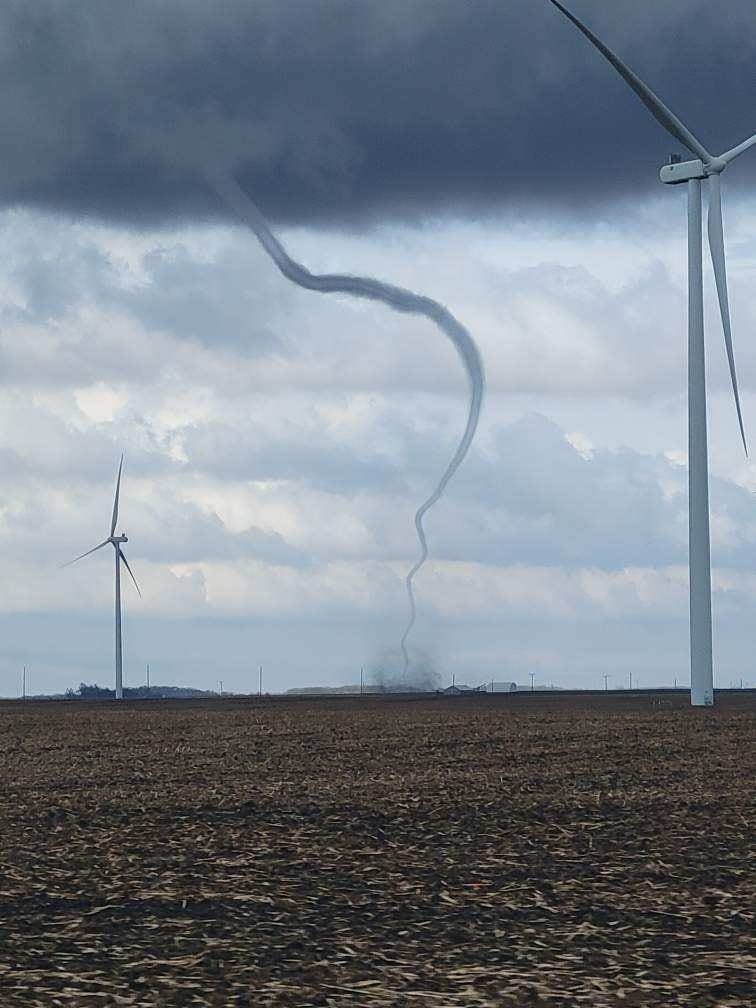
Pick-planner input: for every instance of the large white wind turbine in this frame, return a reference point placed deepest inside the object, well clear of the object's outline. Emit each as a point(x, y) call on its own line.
point(704, 166)
point(115, 541)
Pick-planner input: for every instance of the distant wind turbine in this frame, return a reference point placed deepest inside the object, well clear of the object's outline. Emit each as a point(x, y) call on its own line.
point(116, 541)
point(709, 167)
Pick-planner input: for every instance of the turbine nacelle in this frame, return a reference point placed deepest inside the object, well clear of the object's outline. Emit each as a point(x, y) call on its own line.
point(682, 171)
point(122, 538)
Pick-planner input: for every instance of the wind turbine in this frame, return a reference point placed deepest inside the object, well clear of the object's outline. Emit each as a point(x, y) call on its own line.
point(705, 166)
point(115, 541)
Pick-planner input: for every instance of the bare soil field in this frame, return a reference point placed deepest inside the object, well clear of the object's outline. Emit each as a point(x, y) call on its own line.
point(486, 851)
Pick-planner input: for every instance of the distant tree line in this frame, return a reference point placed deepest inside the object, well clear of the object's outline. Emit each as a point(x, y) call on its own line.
point(91, 691)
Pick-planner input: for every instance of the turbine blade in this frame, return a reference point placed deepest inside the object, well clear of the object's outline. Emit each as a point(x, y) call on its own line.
point(730, 155)
point(716, 246)
point(115, 500)
point(81, 557)
point(652, 101)
point(123, 557)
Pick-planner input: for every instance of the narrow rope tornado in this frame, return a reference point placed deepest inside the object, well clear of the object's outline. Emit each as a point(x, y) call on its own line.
point(397, 298)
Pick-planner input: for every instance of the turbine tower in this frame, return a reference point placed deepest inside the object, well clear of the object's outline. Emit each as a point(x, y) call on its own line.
point(115, 541)
point(704, 167)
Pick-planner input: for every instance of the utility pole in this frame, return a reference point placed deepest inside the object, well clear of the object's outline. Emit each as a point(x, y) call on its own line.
point(23, 684)
point(532, 681)
point(259, 688)
point(362, 677)
point(148, 675)
point(220, 683)
point(606, 680)
point(630, 678)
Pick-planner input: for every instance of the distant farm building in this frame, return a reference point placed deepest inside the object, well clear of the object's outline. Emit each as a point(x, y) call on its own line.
point(462, 689)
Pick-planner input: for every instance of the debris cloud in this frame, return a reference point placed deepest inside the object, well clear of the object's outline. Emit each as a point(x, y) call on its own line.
point(392, 673)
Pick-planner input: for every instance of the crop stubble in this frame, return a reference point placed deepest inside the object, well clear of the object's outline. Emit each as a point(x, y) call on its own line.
point(492, 851)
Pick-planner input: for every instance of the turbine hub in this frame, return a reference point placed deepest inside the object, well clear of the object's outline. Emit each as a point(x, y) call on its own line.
point(716, 166)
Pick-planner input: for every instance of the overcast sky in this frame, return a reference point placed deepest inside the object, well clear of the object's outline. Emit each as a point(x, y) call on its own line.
point(278, 441)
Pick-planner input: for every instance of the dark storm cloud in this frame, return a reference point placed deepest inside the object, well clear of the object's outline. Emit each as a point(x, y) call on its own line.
point(341, 107)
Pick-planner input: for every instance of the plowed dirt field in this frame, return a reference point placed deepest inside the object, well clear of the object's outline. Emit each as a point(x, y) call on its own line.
point(492, 851)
